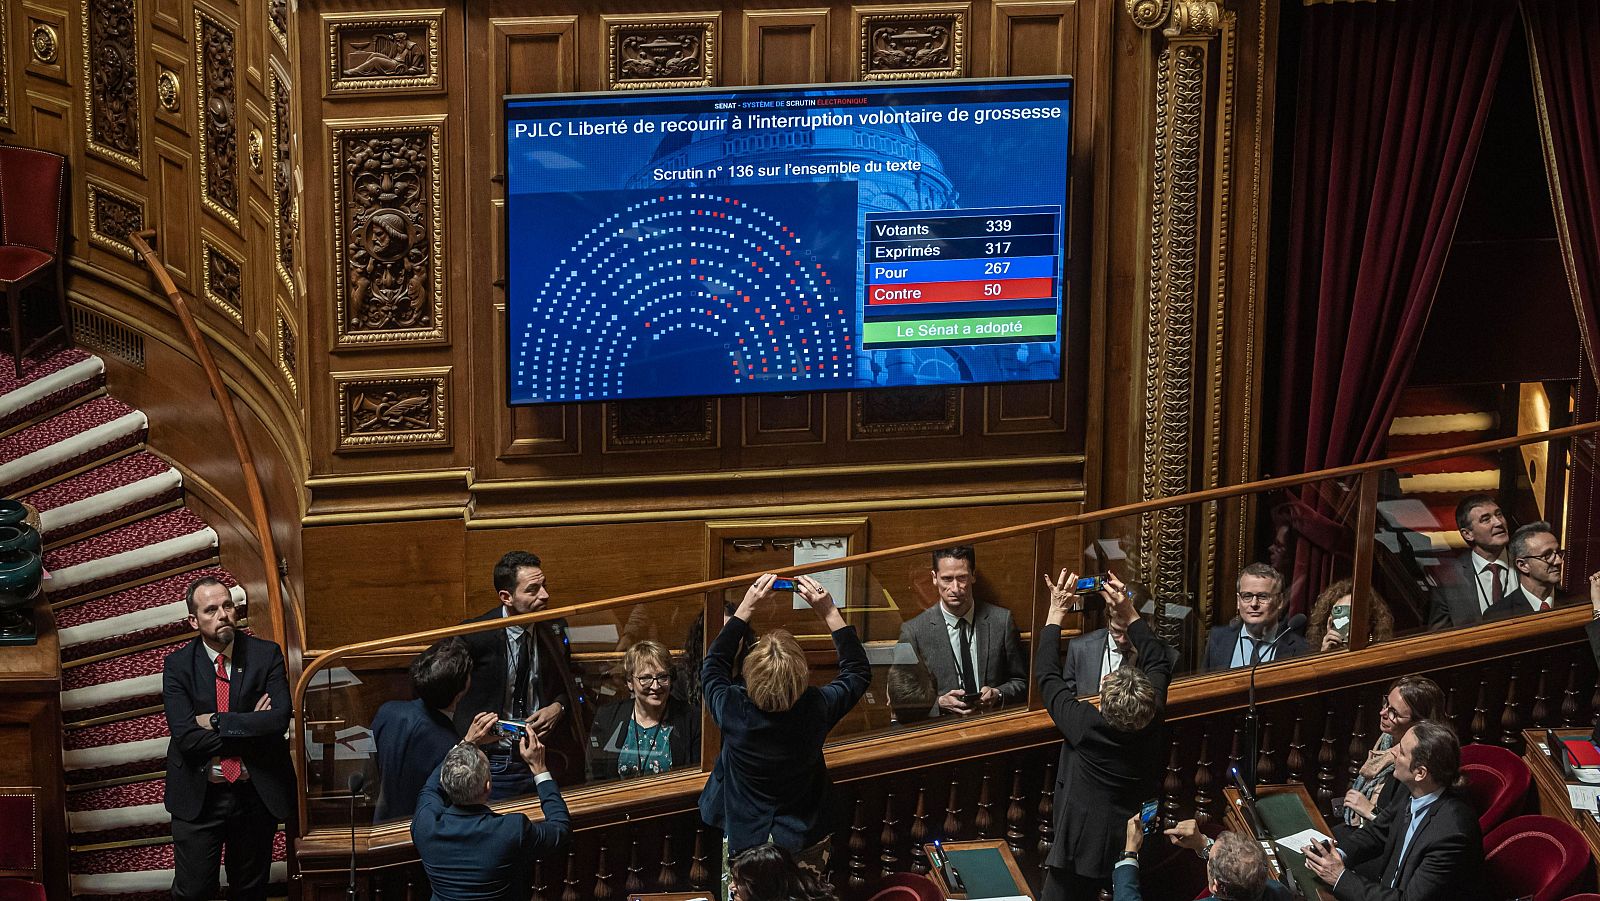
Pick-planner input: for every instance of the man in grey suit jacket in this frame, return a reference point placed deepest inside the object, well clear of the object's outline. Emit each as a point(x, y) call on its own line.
point(1096, 654)
point(972, 650)
point(1465, 588)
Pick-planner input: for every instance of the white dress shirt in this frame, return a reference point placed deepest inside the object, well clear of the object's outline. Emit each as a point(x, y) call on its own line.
point(1484, 581)
point(214, 772)
point(953, 631)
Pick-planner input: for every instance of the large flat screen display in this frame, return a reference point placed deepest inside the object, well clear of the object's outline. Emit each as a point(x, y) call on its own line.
point(762, 240)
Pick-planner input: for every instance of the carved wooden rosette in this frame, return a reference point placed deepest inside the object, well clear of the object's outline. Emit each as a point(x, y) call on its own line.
point(111, 80)
point(222, 277)
point(1173, 408)
point(169, 90)
point(284, 223)
point(679, 423)
point(112, 218)
point(923, 41)
point(391, 410)
point(217, 116)
point(371, 54)
point(389, 253)
point(286, 350)
point(905, 412)
point(661, 51)
point(45, 43)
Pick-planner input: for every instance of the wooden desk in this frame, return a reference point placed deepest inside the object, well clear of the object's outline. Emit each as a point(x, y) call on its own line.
point(1551, 784)
point(998, 845)
point(1236, 820)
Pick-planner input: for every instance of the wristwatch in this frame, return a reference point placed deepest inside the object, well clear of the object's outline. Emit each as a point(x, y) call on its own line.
point(213, 722)
point(1130, 855)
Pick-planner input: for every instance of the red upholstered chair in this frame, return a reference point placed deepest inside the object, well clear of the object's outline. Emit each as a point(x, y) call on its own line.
point(1497, 780)
point(20, 865)
point(904, 887)
point(1586, 896)
point(1534, 857)
point(33, 217)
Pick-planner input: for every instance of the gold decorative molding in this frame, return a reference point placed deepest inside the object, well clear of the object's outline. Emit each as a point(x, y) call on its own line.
point(905, 42)
point(112, 218)
point(389, 267)
point(111, 81)
point(217, 116)
point(1149, 14)
point(278, 22)
point(662, 51)
point(392, 409)
point(285, 224)
point(905, 412)
point(222, 279)
point(661, 424)
point(368, 53)
point(286, 349)
point(5, 70)
point(1177, 18)
point(254, 147)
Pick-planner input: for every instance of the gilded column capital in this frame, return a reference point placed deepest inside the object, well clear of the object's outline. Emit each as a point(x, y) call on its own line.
point(1177, 18)
point(1149, 14)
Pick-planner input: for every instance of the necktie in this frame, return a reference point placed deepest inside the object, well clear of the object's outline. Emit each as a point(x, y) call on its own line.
point(1405, 841)
point(519, 697)
point(1499, 590)
point(1543, 606)
point(230, 765)
point(969, 679)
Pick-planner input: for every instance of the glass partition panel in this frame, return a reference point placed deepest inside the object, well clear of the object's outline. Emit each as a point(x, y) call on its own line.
point(1472, 539)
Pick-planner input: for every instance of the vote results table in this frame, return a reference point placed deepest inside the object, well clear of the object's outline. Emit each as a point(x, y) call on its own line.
point(983, 276)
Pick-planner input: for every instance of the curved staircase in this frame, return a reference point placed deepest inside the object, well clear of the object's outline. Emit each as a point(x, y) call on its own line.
point(120, 547)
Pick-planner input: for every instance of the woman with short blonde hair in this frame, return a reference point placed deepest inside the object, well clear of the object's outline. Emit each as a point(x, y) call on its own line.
point(649, 733)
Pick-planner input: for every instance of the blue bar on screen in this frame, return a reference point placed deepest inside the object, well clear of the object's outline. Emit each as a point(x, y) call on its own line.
point(960, 270)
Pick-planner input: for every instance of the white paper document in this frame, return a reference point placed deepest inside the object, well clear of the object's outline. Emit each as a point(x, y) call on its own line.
point(817, 550)
point(1301, 839)
point(1584, 797)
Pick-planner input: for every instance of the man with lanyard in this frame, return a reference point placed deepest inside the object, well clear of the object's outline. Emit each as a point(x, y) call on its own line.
point(1093, 656)
point(1256, 630)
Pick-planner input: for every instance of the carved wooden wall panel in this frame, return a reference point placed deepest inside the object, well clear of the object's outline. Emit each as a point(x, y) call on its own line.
point(45, 30)
point(112, 218)
point(913, 41)
point(176, 219)
point(383, 410)
point(662, 51)
point(217, 115)
point(389, 253)
point(222, 277)
point(903, 412)
point(666, 424)
point(168, 15)
point(5, 66)
point(785, 46)
point(784, 419)
point(111, 87)
point(286, 347)
point(367, 54)
point(284, 220)
point(173, 89)
point(278, 22)
point(1031, 38)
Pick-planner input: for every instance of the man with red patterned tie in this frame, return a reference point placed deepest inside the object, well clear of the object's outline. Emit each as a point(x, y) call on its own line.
point(1537, 556)
point(1465, 588)
point(229, 778)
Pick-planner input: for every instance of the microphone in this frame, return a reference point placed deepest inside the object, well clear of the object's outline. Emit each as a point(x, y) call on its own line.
point(1295, 624)
point(355, 783)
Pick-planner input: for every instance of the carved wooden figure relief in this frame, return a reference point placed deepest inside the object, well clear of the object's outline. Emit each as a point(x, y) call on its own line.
point(384, 54)
point(278, 21)
point(898, 45)
point(111, 79)
point(285, 224)
point(223, 279)
point(112, 218)
point(288, 352)
point(218, 117)
point(379, 410)
point(386, 202)
point(662, 54)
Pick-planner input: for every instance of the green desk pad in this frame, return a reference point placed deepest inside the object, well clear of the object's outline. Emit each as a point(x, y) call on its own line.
point(984, 871)
point(1285, 815)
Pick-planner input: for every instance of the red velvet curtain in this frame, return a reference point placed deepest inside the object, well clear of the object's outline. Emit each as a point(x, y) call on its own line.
point(1391, 106)
point(1564, 37)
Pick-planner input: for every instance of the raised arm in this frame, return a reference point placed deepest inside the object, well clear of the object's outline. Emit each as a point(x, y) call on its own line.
point(855, 672)
point(1071, 716)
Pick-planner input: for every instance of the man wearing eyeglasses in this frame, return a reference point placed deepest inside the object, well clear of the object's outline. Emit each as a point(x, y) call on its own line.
point(1255, 633)
point(1537, 556)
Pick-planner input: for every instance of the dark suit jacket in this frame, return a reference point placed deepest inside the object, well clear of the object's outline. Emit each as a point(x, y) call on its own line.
point(1453, 599)
point(1001, 662)
point(1125, 887)
point(1104, 775)
point(1221, 640)
point(1444, 862)
point(557, 682)
point(770, 777)
point(412, 739)
point(683, 740)
point(189, 688)
point(475, 853)
point(1086, 653)
point(1513, 604)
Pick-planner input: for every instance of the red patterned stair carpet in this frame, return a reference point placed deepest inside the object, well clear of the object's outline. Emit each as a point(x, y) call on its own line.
point(120, 549)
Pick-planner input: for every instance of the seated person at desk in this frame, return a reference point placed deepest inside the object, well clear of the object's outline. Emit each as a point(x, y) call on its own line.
point(1429, 843)
point(1236, 867)
point(650, 733)
point(411, 737)
point(768, 873)
point(1536, 558)
point(1411, 700)
point(972, 649)
point(468, 850)
point(1329, 626)
point(1257, 629)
